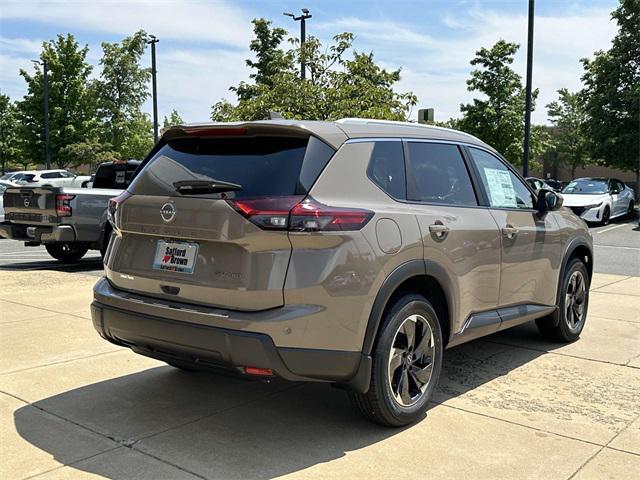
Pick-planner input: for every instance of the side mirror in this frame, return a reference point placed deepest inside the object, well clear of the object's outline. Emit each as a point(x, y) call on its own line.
point(548, 201)
point(614, 191)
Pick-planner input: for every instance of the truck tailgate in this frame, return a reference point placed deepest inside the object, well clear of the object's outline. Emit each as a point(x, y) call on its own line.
point(32, 205)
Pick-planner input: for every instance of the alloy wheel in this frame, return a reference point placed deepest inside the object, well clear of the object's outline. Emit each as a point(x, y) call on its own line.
point(574, 301)
point(411, 360)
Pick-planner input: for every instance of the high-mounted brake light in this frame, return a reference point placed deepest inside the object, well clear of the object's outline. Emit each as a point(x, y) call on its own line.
point(112, 208)
point(295, 214)
point(216, 132)
point(63, 206)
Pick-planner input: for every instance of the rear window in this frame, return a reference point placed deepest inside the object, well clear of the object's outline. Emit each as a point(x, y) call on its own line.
point(115, 176)
point(263, 166)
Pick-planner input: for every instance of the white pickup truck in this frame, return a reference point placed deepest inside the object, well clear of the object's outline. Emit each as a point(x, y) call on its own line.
point(67, 221)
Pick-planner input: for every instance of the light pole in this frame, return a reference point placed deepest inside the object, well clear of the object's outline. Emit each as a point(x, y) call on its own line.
point(45, 81)
point(154, 91)
point(527, 106)
point(303, 35)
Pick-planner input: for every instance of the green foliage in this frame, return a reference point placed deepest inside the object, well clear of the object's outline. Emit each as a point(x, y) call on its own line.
point(10, 140)
point(498, 117)
point(173, 119)
point(138, 138)
point(121, 91)
point(88, 152)
point(612, 94)
point(71, 105)
point(337, 86)
point(568, 116)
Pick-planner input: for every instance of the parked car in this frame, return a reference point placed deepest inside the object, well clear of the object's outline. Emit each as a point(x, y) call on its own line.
point(68, 221)
point(537, 184)
point(51, 178)
point(351, 252)
point(598, 200)
point(556, 185)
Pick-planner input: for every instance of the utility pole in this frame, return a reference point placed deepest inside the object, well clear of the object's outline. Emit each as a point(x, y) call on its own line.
point(154, 91)
point(303, 36)
point(527, 106)
point(45, 82)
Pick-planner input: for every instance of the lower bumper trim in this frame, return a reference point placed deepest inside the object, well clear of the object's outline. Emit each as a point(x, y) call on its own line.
point(206, 347)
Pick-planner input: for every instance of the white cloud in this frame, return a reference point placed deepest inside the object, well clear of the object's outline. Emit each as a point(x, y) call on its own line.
point(436, 68)
point(204, 44)
point(217, 22)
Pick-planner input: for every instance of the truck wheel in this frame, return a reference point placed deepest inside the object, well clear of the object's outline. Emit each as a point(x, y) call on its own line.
point(406, 364)
point(66, 252)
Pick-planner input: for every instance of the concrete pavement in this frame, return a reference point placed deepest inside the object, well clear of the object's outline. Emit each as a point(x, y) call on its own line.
point(508, 406)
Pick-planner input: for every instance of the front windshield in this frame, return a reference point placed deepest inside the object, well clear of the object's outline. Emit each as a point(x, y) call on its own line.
point(587, 186)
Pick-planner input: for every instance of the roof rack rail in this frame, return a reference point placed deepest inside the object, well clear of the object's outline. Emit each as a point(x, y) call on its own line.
point(369, 121)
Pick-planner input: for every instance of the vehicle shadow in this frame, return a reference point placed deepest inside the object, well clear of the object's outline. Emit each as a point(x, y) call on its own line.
point(84, 265)
point(220, 427)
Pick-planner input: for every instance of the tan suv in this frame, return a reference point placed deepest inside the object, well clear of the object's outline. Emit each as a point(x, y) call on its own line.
point(351, 252)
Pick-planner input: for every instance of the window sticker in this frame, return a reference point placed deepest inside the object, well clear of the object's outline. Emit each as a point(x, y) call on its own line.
point(500, 188)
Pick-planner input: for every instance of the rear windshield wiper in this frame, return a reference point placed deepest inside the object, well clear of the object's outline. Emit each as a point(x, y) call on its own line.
point(195, 187)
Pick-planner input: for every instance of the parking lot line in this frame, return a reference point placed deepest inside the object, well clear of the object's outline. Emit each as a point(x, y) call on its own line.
point(611, 228)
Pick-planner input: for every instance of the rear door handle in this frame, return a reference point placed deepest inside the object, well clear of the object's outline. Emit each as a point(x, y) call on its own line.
point(438, 229)
point(510, 231)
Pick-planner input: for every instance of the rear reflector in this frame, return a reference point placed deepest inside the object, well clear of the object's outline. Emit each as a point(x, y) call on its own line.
point(265, 372)
point(63, 208)
point(113, 205)
point(295, 214)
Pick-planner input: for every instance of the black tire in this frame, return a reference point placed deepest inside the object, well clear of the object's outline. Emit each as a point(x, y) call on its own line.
point(631, 211)
point(560, 326)
point(67, 252)
point(380, 403)
point(606, 216)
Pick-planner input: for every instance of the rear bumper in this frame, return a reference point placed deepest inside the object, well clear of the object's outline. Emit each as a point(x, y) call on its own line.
point(209, 347)
point(39, 234)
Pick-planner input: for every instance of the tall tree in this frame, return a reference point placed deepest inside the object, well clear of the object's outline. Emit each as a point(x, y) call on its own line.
point(121, 90)
point(612, 94)
point(568, 116)
point(498, 117)
point(10, 151)
point(173, 119)
point(338, 86)
point(71, 105)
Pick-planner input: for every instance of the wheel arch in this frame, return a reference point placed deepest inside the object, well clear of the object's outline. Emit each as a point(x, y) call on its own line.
point(416, 276)
point(578, 248)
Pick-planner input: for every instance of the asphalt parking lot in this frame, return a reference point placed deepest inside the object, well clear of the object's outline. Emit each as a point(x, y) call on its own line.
point(507, 406)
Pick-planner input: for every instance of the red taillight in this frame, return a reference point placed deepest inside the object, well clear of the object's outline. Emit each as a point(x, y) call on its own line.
point(112, 208)
point(314, 216)
point(293, 214)
point(63, 208)
point(265, 372)
point(271, 213)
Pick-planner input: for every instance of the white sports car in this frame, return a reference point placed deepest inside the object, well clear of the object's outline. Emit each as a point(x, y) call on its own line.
point(598, 200)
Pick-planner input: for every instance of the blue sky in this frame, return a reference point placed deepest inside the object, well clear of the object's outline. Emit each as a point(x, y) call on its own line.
point(203, 44)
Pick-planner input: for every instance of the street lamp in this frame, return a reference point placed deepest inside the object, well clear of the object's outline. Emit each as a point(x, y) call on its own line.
point(303, 35)
point(527, 106)
point(154, 93)
point(47, 152)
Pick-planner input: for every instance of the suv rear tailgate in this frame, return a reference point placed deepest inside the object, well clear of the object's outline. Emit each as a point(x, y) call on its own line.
point(31, 205)
point(223, 257)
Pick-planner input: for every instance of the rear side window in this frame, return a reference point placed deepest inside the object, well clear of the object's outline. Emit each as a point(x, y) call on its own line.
point(386, 168)
point(439, 175)
point(263, 166)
